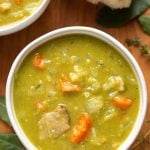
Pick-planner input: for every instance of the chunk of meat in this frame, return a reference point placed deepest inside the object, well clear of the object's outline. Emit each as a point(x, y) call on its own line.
point(113, 3)
point(81, 129)
point(67, 86)
point(5, 6)
point(55, 123)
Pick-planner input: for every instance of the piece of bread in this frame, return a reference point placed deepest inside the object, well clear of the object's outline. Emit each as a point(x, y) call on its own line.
point(115, 4)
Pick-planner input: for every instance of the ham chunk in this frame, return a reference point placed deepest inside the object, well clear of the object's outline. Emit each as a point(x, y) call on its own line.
point(55, 123)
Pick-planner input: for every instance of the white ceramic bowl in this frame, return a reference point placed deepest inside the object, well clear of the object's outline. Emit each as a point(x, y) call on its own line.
point(17, 26)
point(87, 31)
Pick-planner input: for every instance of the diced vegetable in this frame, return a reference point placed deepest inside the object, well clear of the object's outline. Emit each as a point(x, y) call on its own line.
point(40, 106)
point(109, 113)
point(113, 94)
point(79, 70)
point(81, 129)
point(114, 82)
point(94, 104)
point(78, 74)
point(67, 86)
point(38, 61)
point(18, 2)
point(122, 103)
point(74, 77)
point(74, 59)
point(5, 6)
point(94, 85)
point(86, 94)
point(96, 139)
point(54, 123)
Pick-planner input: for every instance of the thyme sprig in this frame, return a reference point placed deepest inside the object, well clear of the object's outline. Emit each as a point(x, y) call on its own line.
point(133, 42)
point(143, 139)
point(143, 48)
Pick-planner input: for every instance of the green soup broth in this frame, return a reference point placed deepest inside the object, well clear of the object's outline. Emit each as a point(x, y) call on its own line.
point(95, 67)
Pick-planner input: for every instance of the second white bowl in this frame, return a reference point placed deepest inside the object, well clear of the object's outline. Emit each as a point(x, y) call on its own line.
point(17, 26)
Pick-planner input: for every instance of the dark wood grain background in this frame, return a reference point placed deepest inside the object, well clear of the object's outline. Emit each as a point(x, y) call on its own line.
point(61, 13)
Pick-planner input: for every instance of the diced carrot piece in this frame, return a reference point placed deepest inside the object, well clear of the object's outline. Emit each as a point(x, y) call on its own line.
point(38, 61)
point(81, 129)
point(122, 103)
point(18, 2)
point(67, 86)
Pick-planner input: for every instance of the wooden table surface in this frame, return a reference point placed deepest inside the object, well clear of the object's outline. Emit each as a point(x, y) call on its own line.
point(61, 13)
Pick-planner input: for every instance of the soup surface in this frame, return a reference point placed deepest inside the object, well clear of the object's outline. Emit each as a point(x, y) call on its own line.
point(76, 93)
point(12, 11)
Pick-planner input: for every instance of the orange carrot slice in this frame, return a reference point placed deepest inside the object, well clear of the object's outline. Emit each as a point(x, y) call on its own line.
point(38, 61)
point(122, 103)
point(81, 129)
point(67, 86)
point(18, 2)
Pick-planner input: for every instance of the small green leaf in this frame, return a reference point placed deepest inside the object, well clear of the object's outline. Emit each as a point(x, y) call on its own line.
point(108, 17)
point(3, 111)
point(10, 142)
point(145, 23)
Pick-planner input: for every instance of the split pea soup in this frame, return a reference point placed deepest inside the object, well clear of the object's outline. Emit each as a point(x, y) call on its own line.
point(12, 11)
point(77, 93)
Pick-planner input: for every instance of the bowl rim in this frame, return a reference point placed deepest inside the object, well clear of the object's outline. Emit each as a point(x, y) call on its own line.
point(23, 23)
point(91, 32)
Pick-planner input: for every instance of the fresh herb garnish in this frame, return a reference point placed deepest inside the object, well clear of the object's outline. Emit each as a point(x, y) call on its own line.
point(145, 50)
point(136, 42)
point(8, 141)
point(145, 23)
point(133, 42)
point(3, 111)
point(108, 17)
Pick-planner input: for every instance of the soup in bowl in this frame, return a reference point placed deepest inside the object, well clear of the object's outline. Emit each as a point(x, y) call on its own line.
point(76, 88)
point(17, 14)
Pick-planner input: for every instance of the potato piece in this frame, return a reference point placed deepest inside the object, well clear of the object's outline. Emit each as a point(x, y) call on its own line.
point(79, 70)
point(114, 82)
point(5, 6)
point(110, 113)
point(94, 85)
point(74, 59)
point(74, 77)
point(94, 104)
